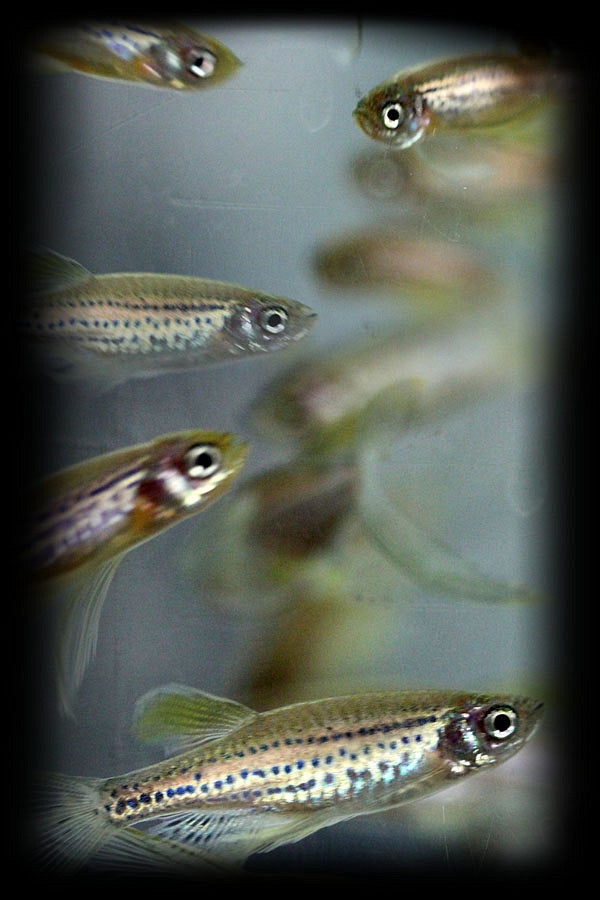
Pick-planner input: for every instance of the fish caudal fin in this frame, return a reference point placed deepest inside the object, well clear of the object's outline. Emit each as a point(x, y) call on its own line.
point(65, 830)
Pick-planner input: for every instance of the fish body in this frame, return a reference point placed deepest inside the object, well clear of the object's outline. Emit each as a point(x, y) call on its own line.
point(80, 522)
point(383, 257)
point(246, 782)
point(120, 325)
point(454, 95)
point(432, 369)
point(157, 54)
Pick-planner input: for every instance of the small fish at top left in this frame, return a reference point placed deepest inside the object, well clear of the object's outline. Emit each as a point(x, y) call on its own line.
point(124, 325)
point(155, 54)
point(80, 522)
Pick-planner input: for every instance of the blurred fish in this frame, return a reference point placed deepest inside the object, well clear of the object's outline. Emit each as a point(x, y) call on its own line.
point(484, 174)
point(118, 326)
point(82, 521)
point(433, 369)
point(454, 95)
point(437, 275)
point(293, 534)
point(243, 781)
point(394, 519)
point(157, 54)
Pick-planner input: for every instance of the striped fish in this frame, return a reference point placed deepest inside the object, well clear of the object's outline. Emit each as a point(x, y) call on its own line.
point(116, 326)
point(245, 781)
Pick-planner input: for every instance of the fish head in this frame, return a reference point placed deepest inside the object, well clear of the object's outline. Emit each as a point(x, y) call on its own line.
point(264, 323)
point(487, 730)
point(186, 472)
point(186, 59)
point(398, 119)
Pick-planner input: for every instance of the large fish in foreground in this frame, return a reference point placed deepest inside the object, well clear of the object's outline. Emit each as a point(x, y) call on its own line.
point(118, 326)
point(245, 781)
point(156, 54)
point(80, 523)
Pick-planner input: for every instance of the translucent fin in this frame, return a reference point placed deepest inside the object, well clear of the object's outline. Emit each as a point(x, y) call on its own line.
point(184, 717)
point(424, 558)
point(77, 627)
point(231, 835)
point(134, 851)
point(65, 829)
point(46, 270)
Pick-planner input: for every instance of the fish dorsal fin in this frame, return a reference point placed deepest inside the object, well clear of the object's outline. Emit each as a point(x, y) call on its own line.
point(183, 717)
point(46, 271)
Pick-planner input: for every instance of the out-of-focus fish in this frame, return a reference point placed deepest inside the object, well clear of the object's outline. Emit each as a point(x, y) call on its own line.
point(455, 94)
point(400, 525)
point(294, 532)
point(118, 326)
point(245, 781)
point(487, 175)
point(321, 401)
point(156, 54)
point(426, 271)
point(82, 520)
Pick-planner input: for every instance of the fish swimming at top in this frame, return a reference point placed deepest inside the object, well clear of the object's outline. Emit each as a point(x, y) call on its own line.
point(81, 521)
point(157, 54)
point(118, 326)
point(455, 95)
point(243, 781)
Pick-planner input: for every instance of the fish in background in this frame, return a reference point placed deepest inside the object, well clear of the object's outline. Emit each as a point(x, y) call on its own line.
point(486, 176)
point(399, 521)
point(290, 534)
point(81, 521)
point(117, 326)
point(434, 275)
point(156, 54)
point(244, 782)
point(320, 401)
point(456, 95)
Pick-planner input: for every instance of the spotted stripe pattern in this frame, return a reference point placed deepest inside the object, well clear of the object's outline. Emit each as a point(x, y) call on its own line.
point(306, 756)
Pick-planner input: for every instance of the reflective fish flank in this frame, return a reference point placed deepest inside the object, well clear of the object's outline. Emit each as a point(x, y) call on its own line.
point(80, 522)
point(454, 94)
point(245, 782)
point(157, 54)
point(117, 326)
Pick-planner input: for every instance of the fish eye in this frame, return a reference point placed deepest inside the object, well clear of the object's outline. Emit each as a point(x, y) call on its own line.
point(500, 722)
point(274, 320)
point(201, 62)
point(392, 115)
point(202, 461)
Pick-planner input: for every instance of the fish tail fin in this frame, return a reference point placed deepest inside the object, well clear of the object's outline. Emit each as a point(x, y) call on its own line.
point(65, 828)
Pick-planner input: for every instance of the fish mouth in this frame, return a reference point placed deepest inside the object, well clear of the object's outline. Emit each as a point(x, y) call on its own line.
point(363, 120)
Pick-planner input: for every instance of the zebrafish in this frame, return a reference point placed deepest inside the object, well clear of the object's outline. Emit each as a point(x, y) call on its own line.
point(157, 54)
point(454, 95)
point(117, 326)
point(81, 521)
point(432, 369)
point(423, 271)
point(244, 782)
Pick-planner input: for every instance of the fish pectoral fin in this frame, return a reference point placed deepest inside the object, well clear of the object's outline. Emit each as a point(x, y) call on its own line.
point(133, 850)
point(232, 835)
point(184, 717)
point(77, 628)
point(46, 270)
